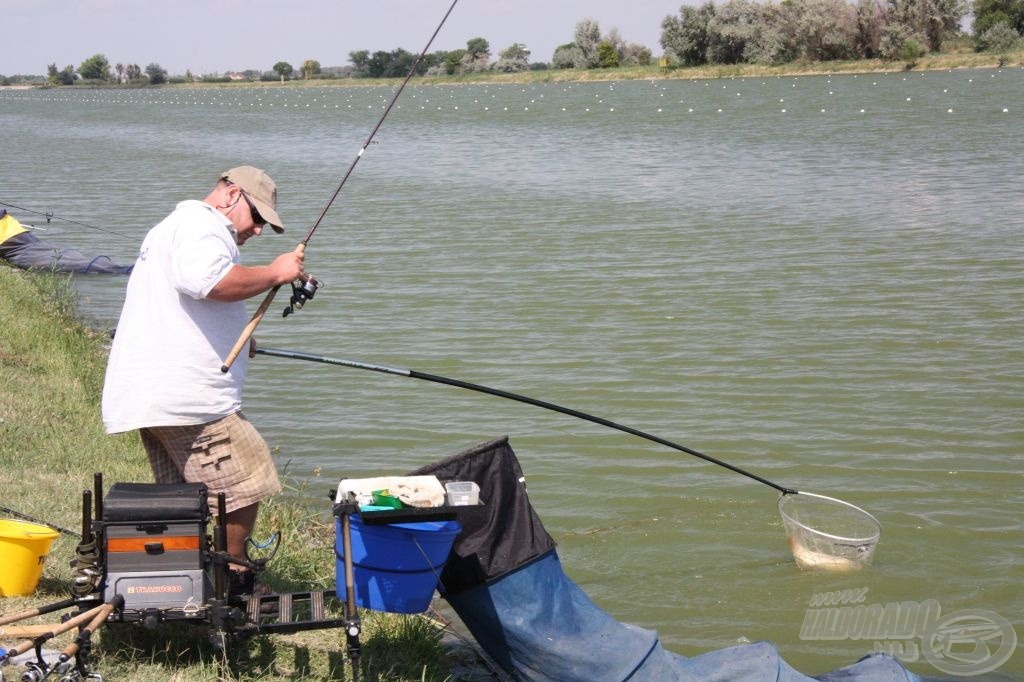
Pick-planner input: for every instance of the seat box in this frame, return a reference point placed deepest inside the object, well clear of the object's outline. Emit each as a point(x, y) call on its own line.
point(154, 526)
point(187, 590)
point(154, 546)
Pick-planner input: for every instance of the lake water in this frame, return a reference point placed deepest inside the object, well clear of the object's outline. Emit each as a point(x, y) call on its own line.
point(816, 279)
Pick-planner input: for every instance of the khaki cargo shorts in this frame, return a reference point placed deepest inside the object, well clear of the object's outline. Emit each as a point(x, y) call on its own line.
point(228, 455)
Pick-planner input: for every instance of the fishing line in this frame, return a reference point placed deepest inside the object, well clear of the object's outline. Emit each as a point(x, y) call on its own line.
point(50, 216)
point(413, 374)
point(309, 284)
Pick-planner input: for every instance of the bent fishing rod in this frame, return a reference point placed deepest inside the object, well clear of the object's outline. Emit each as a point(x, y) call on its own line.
point(437, 379)
point(307, 286)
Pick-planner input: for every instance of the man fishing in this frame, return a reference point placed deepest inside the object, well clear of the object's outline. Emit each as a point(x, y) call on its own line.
point(183, 310)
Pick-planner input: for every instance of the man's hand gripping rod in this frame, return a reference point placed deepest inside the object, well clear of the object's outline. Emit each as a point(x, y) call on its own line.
point(308, 286)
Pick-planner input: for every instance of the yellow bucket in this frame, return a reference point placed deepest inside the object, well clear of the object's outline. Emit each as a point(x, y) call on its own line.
point(23, 551)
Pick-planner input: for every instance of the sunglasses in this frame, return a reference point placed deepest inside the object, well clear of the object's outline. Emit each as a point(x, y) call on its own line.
point(257, 219)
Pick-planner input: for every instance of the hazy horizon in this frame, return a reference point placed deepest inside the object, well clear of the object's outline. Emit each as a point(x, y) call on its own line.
point(238, 35)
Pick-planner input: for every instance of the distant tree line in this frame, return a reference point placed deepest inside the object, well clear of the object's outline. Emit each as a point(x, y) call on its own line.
point(475, 58)
point(745, 31)
point(97, 69)
point(590, 50)
point(731, 32)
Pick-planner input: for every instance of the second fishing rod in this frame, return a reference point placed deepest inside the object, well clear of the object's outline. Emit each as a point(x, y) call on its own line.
point(480, 388)
point(305, 288)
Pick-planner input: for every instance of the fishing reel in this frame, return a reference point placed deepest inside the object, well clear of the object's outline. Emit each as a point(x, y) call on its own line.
point(303, 289)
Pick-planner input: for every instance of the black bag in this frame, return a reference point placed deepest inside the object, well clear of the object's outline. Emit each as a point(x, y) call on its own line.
point(156, 502)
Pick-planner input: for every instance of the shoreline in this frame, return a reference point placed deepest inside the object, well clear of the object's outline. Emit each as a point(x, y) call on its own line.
point(52, 441)
point(947, 61)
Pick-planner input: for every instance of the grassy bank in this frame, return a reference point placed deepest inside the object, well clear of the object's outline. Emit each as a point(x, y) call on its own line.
point(51, 443)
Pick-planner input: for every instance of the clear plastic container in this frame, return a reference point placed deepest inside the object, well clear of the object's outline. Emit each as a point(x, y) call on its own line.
point(461, 493)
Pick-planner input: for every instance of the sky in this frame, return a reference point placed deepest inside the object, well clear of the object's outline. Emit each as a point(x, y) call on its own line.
point(215, 36)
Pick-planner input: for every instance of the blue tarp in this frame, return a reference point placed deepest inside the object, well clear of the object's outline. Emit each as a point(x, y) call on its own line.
point(24, 249)
point(538, 625)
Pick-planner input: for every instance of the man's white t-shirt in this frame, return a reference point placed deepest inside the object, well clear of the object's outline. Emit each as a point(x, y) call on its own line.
point(170, 343)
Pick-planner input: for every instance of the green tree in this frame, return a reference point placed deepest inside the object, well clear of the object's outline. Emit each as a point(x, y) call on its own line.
point(912, 50)
point(157, 74)
point(513, 58)
point(871, 20)
point(586, 38)
point(477, 48)
point(360, 62)
point(394, 64)
point(452, 60)
point(607, 55)
point(133, 73)
point(566, 56)
point(477, 57)
point(635, 54)
point(821, 30)
point(377, 65)
point(62, 77)
point(283, 69)
point(310, 68)
point(400, 62)
point(686, 36)
point(731, 29)
point(95, 67)
point(933, 20)
point(988, 13)
point(1000, 37)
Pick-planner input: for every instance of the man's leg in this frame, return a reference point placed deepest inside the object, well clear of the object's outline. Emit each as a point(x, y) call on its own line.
point(241, 523)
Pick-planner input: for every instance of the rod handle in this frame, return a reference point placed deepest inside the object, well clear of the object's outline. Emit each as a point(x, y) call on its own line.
point(52, 632)
point(95, 624)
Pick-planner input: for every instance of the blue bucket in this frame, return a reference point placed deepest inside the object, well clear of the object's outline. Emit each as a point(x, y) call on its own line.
point(396, 566)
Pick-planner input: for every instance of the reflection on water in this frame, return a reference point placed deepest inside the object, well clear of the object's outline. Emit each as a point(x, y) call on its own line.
point(816, 279)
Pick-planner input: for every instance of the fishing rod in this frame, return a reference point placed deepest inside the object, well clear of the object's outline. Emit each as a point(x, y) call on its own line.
point(37, 611)
point(50, 216)
point(308, 285)
point(437, 379)
point(51, 632)
point(26, 517)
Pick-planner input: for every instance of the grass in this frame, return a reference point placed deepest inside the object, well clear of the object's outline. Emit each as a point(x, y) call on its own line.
point(51, 443)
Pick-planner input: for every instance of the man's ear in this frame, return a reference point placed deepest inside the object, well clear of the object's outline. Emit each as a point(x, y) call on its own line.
point(227, 194)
